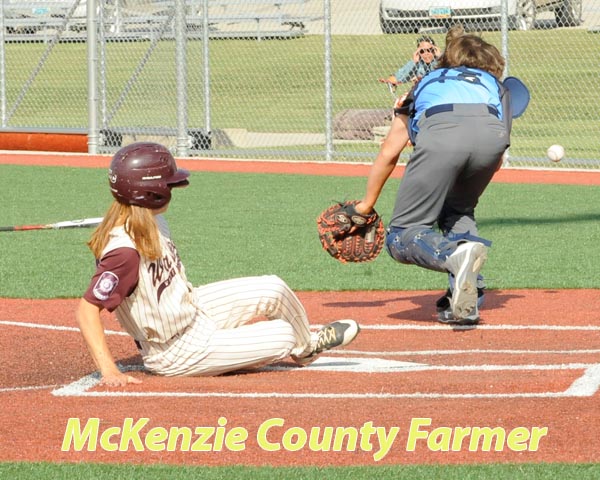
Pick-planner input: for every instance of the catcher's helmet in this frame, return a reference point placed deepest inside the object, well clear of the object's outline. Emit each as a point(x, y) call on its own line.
point(143, 174)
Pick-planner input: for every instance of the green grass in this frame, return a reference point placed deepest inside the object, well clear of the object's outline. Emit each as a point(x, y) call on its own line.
point(232, 224)
point(245, 224)
point(278, 86)
point(26, 471)
point(229, 225)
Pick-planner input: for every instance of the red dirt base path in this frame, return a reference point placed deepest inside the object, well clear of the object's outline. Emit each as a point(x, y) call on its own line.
point(516, 372)
point(520, 387)
point(505, 175)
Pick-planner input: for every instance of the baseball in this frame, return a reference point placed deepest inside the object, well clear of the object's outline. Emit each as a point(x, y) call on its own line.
point(555, 153)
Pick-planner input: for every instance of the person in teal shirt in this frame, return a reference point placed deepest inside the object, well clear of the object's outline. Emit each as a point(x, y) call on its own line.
point(424, 60)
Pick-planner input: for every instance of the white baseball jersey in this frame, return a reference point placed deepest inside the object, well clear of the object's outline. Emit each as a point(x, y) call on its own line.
point(183, 330)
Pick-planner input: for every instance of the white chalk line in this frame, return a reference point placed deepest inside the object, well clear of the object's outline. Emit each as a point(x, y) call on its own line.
point(592, 328)
point(360, 352)
point(474, 351)
point(586, 385)
point(27, 388)
point(357, 365)
point(52, 327)
point(354, 352)
point(316, 396)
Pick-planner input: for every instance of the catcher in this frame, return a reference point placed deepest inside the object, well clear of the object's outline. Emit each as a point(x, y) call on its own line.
point(458, 118)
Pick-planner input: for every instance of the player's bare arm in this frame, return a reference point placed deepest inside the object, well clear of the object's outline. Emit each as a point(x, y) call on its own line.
point(384, 164)
point(90, 324)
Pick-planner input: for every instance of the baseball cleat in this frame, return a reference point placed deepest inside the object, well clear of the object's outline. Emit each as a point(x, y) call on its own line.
point(465, 263)
point(444, 312)
point(446, 316)
point(336, 334)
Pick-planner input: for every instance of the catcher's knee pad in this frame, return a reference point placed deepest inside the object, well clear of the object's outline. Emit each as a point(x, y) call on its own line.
point(420, 246)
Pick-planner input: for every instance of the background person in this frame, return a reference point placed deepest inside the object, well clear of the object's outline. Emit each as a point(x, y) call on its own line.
point(424, 60)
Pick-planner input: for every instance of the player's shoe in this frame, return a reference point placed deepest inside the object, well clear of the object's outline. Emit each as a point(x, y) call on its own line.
point(465, 264)
point(444, 312)
point(336, 334)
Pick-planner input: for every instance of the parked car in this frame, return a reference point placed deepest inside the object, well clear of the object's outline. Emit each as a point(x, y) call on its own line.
point(409, 16)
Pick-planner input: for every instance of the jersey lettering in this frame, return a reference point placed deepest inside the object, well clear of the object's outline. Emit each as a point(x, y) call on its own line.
point(163, 270)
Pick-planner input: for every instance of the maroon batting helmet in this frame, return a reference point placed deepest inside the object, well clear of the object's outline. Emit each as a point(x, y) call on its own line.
point(143, 174)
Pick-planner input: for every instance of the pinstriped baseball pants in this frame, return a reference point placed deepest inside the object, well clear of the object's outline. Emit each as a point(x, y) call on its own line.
point(224, 337)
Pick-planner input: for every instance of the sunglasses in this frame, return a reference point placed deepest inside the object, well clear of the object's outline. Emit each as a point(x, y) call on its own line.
point(426, 50)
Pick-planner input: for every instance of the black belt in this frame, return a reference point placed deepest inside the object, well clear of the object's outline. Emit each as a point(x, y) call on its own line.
point(449, 107)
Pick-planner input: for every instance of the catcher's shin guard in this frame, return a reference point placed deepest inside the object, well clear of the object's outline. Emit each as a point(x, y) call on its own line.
point(420, 246)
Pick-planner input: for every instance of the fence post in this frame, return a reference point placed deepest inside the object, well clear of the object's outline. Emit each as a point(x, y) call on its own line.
point(504, 29)
point(181, 68)
point(206, 65)
point(328, 82)
point(92, 61)
point(2, 65)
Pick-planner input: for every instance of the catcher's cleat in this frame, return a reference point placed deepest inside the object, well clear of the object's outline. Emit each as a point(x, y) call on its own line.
point(444, 312)
point(465, 263)
point(336, 334)
point(446, 316)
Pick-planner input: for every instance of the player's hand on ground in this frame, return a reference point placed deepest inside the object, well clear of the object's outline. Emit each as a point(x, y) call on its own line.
point(118, 380)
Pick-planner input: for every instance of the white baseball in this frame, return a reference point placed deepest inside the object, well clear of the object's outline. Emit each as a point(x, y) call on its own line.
point(555, 153)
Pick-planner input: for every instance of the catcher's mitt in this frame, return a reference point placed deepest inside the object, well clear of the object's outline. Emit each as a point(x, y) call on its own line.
point(349, 236)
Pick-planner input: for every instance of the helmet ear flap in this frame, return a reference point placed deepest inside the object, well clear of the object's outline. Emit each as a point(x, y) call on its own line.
point(150, 198)
point(159, 196)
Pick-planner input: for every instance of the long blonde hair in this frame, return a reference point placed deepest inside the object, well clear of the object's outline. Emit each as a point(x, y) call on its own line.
point(469, 50)
point(140, 224)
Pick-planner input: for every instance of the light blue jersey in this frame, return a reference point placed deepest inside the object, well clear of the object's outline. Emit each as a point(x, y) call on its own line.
point(455, 85)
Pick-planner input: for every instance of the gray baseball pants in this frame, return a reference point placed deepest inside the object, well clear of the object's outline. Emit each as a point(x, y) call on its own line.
point(456, 155)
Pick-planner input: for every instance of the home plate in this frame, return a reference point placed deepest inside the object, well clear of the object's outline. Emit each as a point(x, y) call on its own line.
point(353, 364)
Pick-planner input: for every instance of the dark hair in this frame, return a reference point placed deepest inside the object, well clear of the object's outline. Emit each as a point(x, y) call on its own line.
point(425, 38)
point(471, 51)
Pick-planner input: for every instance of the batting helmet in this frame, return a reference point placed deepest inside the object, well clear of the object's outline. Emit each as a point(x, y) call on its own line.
point(143, 174)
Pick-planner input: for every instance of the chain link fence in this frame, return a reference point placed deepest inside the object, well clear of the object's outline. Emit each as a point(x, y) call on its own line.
point(282, 79)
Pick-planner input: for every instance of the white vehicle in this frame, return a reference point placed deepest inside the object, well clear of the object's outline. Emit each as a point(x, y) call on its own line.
point(409, 16)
